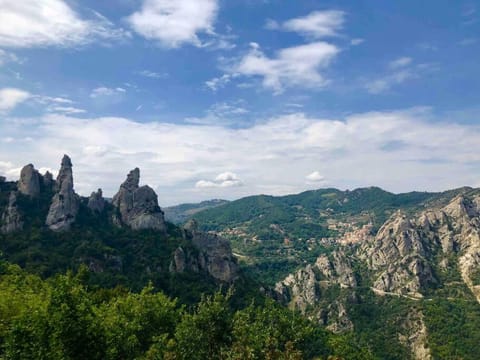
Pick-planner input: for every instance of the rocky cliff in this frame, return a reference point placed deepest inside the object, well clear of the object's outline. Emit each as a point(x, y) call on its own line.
point(214, 255)
point(11, 218)
point(29, 182)
point(138, 206)
point(404, 259)
point(65, 203)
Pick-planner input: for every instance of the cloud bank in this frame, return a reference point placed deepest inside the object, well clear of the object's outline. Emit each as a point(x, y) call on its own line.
point(398, 150)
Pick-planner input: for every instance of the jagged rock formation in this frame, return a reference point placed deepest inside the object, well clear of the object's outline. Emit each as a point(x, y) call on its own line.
point(397, 255)
point(11, 218)
point(303, 290)
point(138, 206)
point(402, 259)
point(456, 229)
point(29, 182)
point(65, 203)
point(402, 252)
point(96, 202)
point(215, 255)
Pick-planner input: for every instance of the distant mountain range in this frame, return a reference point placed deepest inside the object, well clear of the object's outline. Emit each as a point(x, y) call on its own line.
point(181, 213)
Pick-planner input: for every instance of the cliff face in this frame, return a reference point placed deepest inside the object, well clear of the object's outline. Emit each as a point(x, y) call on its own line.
point(214, 255)
point(305, 290)
point(11, 218)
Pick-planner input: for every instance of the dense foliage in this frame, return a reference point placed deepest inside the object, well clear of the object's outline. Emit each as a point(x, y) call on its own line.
point(63, 318)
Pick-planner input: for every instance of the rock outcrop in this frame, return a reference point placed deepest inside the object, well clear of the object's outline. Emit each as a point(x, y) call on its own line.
point(96, 202)
point(65, 202)
point(138, 206)
point(413, 334)
point(305, 289)
point(11, 218)
point(29, 182)
point(214, 255)
point(397, 256)
point(456, 228)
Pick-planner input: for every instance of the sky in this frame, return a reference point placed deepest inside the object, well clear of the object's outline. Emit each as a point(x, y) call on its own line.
point(230, 98)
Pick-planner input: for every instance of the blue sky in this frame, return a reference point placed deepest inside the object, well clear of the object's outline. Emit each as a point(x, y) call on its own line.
point(216, 98)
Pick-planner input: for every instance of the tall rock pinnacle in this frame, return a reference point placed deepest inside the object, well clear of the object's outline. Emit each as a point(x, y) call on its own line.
point(138, 206)
point(29, 182)
point(65, 202)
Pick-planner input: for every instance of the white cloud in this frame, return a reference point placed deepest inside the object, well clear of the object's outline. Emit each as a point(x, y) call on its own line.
point(357, 41)
point(66, 110)
point(152, 74)
point(315, 177)
point(173, 23)
point(7, 57)
point(385, 83)
point(11, 97)
point(294, 66)
point(223, 180)
point(105, 91)
point(221, 113)
point(272, 156)
point(400, 62)
point(271, 24)
point(399, 71)
point(219, 82)
point(316, 25)
point(33, 23)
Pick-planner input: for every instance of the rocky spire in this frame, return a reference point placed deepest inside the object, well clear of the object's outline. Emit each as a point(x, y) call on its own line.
point(11, 219)
point(65, 202)
point(96, 202)
point(138, 206)
point(29, 183)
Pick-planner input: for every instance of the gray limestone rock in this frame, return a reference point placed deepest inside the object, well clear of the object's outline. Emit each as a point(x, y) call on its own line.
point(29, 182)
point(11, 218)
point(65, 203)
point(96, 202)
point(215, 255)
point(138, 206)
